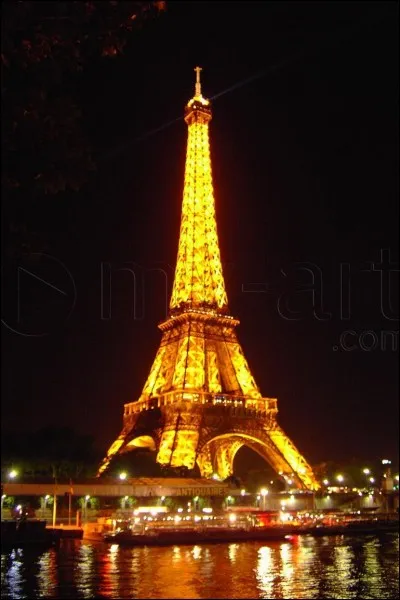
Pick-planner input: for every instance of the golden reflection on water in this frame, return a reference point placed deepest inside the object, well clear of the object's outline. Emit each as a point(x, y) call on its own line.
point(110, 572)
point(196, 552)
point(286, 569)
point(47, 576)
point(339, 576)
point(265, 572)
point(372, 572)
point(176, 554)
point(304, 568)
point(233, 548)
point(171, 573)
point(84, 570)
point(283, 571)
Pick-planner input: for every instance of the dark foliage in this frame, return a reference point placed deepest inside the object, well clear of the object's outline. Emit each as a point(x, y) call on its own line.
point(142, 463)
point(46, 47)
point(51, 452)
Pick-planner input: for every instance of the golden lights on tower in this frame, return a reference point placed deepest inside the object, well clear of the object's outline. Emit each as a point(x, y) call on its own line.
point(200, 362)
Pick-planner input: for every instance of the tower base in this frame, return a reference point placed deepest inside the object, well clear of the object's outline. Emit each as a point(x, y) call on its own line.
point(187, 428)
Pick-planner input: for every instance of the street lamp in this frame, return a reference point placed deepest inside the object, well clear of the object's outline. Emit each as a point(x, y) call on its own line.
point(264, 493)
point(366, 471)
point(326, 482)
point(372, 480)
point(13, 474)
point(44, 504)
point(85, 507)
point(340, 478)
point(123, 475)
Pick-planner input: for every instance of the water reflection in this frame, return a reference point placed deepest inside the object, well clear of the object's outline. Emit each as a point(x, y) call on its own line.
point(304, 568)
point(84, 570)
point(172, 573)
point(287, 569)
point(340, 573)
point(14, 580)
point(108, 570)
point(196, 552)
point(233, 548)
point(23, 569)
point(265, 572)
point(47, 576)
point(304, 562)
point(371, 574)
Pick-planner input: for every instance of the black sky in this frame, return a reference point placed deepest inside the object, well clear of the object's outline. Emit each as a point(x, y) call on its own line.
point(305, 170)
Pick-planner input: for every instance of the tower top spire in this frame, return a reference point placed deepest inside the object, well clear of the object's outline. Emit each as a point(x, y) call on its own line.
point(199, 282)
point(198, 102)
point(197, 89)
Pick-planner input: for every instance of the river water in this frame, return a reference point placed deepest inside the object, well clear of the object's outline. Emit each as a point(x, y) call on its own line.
point(304, 567)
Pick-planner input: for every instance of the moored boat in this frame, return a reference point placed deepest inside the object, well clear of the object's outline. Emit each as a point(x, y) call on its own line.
point(160, 536)
point(207, 535)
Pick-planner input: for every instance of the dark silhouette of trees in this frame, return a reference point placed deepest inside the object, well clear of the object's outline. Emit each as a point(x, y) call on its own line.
point(142, 463)
point(52, 452)
point(46, 48)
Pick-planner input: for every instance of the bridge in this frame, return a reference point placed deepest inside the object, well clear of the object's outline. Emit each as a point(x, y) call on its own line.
point(138, 487)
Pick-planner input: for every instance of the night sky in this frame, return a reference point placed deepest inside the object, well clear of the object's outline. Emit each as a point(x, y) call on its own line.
point(304, 150)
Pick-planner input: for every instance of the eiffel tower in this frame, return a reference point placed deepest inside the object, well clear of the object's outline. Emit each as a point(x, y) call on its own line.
point(200, 402)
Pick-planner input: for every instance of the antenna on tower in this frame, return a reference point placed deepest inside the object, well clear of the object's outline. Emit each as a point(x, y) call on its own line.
point(198, 84)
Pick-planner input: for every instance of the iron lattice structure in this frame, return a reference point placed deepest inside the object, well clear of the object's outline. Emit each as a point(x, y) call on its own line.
point(200, 402)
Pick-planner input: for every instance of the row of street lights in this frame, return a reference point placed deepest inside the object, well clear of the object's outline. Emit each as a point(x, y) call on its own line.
point(123, 476)
point(340, 478)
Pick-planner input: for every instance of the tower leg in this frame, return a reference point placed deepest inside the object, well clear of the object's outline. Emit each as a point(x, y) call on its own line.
point(112, 451)
point(224, 454)
point(179, 440)
point(301, 471)
point(204, 461)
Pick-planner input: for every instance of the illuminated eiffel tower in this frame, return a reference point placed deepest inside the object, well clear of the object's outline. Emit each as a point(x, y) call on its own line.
point(200, 403)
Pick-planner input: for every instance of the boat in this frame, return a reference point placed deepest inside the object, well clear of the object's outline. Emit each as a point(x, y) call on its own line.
point(192, 535)
point(164, 536)
point(27, 533)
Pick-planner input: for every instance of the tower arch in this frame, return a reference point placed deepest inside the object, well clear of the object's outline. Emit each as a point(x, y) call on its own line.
point(217, 455)
point(142, 441)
